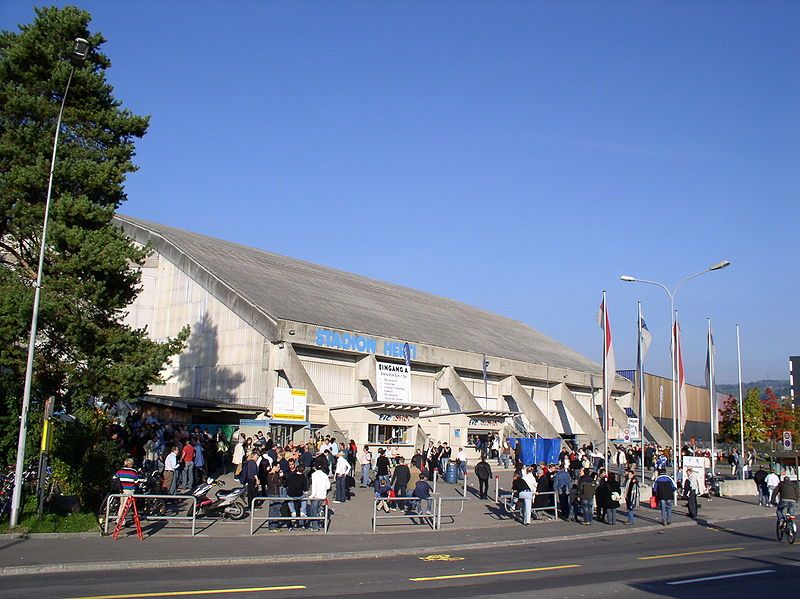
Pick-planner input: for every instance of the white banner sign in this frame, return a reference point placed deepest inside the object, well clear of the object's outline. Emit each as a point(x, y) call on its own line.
point(394, 382)
point(289, 404)
point(633, 427)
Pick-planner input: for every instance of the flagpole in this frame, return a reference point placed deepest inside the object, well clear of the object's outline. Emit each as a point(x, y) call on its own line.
point(711, 411)
point(674, 390)
point(641, 386)
point(741, 406)
point(605, 383)
point(678, 364)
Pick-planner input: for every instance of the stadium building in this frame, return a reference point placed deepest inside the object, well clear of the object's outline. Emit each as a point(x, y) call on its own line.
point(321, 351)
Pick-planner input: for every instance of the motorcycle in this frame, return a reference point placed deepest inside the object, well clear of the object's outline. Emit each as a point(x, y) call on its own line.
point(228, 504)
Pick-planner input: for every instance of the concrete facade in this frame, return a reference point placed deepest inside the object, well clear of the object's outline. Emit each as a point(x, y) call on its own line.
point(243, 347)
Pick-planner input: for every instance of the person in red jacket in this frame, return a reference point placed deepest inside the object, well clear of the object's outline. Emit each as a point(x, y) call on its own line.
point(187, 460)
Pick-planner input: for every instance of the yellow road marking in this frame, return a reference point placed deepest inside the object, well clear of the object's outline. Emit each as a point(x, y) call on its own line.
point(185, 593)
point(443, 557)
point(692, 553)
point(498, 573)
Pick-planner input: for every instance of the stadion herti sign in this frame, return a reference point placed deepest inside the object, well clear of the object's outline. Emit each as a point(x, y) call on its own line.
point(394, 382)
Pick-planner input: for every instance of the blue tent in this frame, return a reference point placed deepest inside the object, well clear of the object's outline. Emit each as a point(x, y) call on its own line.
point(538, 450)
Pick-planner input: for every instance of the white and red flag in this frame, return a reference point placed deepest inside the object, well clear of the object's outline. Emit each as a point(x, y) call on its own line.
point(609, 364)
point(682, 405)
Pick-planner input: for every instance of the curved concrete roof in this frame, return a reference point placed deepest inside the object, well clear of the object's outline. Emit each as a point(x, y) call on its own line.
point(289, 289)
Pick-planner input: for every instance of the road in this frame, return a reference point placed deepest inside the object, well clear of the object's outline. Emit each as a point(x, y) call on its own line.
point(742, 560)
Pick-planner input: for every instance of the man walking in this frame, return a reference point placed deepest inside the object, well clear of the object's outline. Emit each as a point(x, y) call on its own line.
point(170, 482)
point(587, 487)
point(320, 484)
point(484, 472)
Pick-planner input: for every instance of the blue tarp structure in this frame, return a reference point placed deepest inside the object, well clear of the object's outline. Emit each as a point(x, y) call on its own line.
point(537, 450)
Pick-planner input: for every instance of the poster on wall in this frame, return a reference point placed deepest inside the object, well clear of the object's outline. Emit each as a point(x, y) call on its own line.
point(394, 382)
point(633, 428)
point(289, 404)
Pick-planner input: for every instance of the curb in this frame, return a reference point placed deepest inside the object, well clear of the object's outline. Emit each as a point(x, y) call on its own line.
point(314, 557)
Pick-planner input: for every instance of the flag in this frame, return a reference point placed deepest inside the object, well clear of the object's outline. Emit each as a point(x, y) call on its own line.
point(682, 407)
point(647, 338)
point(710, 383)
point(407, 354)
point(485, 366)
point(609, 370)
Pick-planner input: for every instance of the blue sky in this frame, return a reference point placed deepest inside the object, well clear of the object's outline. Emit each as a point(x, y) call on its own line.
point(517, 156)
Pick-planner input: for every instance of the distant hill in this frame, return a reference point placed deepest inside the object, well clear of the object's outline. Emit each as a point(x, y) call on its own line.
point(781, 388)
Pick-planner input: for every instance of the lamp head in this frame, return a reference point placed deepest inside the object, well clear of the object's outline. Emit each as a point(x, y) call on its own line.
point(628, 279)
point(79, 52)
point(720, 265)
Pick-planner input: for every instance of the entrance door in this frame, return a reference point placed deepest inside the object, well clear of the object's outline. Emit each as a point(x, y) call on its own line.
point(281, 434)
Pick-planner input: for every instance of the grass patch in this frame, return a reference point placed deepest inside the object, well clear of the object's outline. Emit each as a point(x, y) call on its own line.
point(30, 522)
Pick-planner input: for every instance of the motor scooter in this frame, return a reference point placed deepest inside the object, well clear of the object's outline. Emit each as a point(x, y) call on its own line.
point(228, 504)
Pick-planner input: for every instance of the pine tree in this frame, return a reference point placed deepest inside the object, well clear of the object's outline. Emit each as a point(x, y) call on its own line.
point(84, 348)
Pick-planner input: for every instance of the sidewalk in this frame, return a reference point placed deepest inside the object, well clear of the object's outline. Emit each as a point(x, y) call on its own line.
point(482, 524)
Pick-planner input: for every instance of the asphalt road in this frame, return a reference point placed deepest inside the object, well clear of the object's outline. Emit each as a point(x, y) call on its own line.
point(741, 560)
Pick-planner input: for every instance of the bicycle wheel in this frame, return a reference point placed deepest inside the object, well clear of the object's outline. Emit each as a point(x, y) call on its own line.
point(779, 529)
point(791, 531)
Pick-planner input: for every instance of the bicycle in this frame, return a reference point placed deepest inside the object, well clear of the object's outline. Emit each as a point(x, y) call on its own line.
point(786, 525)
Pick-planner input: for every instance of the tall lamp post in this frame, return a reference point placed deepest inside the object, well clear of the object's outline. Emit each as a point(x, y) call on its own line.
point(77, 57)
point(671, 295)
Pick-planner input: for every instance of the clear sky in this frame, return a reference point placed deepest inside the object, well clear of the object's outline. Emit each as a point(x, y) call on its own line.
point(517, 156)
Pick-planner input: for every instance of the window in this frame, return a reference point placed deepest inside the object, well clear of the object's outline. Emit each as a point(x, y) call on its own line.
point(387, 433)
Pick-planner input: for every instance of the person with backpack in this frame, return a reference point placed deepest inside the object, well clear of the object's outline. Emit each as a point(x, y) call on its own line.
point(484, 472)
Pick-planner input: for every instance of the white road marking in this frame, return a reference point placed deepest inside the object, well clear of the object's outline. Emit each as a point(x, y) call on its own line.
point(691, 580)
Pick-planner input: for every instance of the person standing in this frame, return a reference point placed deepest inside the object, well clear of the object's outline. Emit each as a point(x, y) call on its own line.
point(382, 466)
point(444, 457)
point(733, 460)
point(127, 477)
point(366, 466)
point(248, 477)
point(400, 479)
point(771, 482)
point(320, 485)
point(432, 457)
point(631, 493)
point(587, 487)
point(664, 489)
point(199, 460)
point(238, 455)
point(342, 471)
point(170, 482)
point(614, 494)
point(691, 488)
point(296, 486)
point(461, 461)
point(561, 484)
point(187, 461)
point(759, 478)
point(484, 472)
point(523, 492)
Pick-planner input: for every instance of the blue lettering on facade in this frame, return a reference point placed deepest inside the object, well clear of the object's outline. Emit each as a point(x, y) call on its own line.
point(360, 343)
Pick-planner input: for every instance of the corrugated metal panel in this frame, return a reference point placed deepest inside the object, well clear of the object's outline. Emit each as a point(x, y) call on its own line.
point(628, 374)
point(336, 382)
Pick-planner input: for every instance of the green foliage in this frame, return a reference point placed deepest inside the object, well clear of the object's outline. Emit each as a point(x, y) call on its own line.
point(84, 348)
point(756, 418)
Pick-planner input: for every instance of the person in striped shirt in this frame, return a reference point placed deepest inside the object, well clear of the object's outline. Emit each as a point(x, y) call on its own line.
point(127, 476)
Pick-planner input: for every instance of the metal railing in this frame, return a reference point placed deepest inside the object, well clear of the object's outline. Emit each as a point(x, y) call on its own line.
point(439, 509)
point(429, 517)
point(253, 518)
point(508, 500)
point(122, 497)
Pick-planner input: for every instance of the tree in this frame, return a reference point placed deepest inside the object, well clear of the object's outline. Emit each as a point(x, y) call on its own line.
point(755, 427)
point(84, 349)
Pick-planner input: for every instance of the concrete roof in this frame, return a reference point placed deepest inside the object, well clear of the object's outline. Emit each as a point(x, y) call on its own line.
point(289, 289)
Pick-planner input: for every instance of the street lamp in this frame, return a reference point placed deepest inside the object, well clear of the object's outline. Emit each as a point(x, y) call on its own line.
point(77, 57)
point(671, 294)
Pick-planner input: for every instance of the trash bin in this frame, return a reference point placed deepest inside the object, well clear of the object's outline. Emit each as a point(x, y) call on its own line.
point(450, 474)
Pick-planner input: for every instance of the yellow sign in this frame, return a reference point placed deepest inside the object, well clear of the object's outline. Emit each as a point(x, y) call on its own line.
point(289, 404)
point(441, 558)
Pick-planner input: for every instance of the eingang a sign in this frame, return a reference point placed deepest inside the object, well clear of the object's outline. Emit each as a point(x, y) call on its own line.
point(394, 382)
